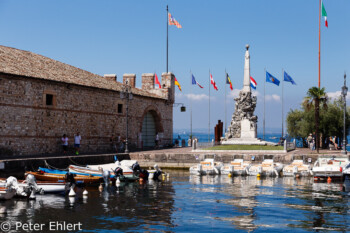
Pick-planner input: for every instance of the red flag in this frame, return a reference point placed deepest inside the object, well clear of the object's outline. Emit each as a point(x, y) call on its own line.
point(213, 82)
point(157, 81)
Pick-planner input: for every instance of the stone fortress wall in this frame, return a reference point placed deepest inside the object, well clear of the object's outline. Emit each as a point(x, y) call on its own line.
point(36, 112)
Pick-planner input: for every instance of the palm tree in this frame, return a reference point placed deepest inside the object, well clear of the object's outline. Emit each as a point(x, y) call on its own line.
point(315, 97)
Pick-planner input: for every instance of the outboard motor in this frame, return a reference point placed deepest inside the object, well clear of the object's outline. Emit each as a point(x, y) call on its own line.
point(144, 174)
point(70, 180)
point(157, 173)
point(32, 187)
point(106, 175)
point(118, 172)
point(136, 167)
point(12, 183)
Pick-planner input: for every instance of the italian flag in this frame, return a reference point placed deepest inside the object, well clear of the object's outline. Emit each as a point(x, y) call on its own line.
point(324, 14)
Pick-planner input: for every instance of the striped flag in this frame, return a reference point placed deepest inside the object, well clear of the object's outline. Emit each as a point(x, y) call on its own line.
point(213, 82)
point(194, 82)
point(172, 21)
point(177, 84)
point(253, 83)
point(228, 81)
point(324, 14)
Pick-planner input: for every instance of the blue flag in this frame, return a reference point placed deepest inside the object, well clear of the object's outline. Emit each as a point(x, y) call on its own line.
point(272, 79)
point(287, 78)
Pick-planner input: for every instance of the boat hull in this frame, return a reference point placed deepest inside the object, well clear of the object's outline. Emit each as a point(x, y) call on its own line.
point(61, 178)
point(6, 194)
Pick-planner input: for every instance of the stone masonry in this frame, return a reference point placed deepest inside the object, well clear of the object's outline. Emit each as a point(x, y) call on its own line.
point(78, 102)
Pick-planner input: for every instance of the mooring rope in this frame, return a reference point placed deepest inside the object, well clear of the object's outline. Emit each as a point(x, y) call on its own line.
point(75, 162)
point(52, 167)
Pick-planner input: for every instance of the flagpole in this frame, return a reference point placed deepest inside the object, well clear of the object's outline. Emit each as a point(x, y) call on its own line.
point(209, 111)
point(225, 101)
point(167, 40)
point(282, 101)
point(264, 107)
point(191, 107)
point(319, 47)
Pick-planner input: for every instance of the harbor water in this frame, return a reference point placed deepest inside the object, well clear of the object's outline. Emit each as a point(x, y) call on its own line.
point(186, 203)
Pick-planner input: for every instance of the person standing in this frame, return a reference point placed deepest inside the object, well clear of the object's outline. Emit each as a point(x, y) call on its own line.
point(77, 141)
point(64, 140)
point(157, 141)
point(309, 141)
point(113, 142)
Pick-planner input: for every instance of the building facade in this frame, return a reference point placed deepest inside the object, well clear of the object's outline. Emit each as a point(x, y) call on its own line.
point(41, 99)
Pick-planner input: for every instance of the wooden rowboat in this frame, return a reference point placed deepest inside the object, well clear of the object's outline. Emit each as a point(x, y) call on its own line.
point(61, 177)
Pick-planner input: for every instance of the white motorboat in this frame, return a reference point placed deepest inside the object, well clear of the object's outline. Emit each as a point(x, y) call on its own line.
point(267, 168)
point(24, 188)
point(297, 168)
point(130, 170)
point(7, 189)
point(6, 193)
point(330, 167)
point(207, 167)
point(237, 167)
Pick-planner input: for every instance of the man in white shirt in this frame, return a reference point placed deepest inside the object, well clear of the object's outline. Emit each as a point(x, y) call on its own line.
point(77, 141)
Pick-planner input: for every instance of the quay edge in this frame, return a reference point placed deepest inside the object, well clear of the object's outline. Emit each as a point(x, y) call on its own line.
point(17, 166)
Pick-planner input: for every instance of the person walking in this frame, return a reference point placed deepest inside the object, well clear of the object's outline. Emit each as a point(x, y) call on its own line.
point(64, 140)
point(77, 141)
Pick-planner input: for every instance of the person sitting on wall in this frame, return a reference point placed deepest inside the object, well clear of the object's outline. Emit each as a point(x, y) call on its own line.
point(64, 140)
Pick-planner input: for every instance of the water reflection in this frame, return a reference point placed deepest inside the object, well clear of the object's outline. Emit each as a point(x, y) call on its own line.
point(196, 204)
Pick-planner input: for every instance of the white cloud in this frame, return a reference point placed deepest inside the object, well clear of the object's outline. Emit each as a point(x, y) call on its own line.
point(235, 93)
point(276, 98)
point(336, 95)
point(197, 97)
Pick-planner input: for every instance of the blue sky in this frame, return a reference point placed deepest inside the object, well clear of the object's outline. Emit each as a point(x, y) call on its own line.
point(112, 36)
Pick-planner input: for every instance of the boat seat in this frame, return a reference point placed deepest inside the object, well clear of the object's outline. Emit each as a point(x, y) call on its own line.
point(206, 163)
point(236, 163)
point(267, 165)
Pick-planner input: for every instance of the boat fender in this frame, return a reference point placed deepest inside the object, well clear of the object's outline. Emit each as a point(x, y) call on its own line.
point(32, 195)
point(85, 193)
point(71, 192)
point(341, 169)
point(106, 175)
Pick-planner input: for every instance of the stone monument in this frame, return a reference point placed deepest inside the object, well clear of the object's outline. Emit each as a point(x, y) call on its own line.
point(243, 127)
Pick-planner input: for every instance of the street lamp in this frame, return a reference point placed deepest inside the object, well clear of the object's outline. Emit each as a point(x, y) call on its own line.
point(344, 91)
point(126, 93)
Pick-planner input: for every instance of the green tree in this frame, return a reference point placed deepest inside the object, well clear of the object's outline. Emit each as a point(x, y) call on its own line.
point(315, 97)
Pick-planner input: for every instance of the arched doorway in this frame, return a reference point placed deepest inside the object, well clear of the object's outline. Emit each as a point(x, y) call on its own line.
point(148, 130)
